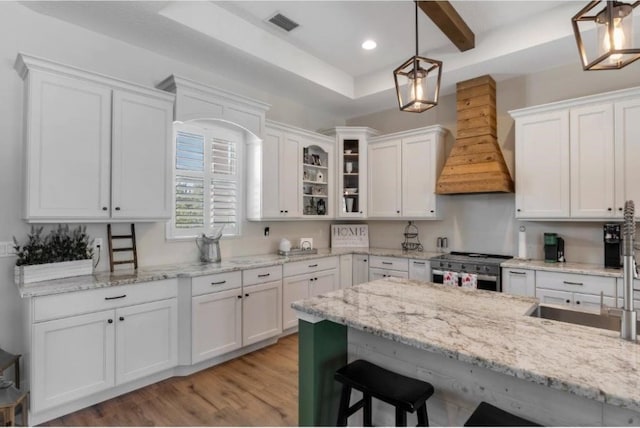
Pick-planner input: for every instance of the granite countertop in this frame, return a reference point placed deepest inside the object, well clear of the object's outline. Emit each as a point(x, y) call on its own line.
point(490, 330)
point(568, 267)
point(187, 270)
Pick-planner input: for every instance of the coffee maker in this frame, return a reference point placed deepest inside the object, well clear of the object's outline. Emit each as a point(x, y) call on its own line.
point(553, 248)
point(612, 246)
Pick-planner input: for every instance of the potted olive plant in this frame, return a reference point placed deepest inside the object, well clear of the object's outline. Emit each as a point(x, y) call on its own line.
point(60, 254)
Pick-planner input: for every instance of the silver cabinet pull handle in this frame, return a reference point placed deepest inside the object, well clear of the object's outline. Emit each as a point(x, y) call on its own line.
point(573, 283)
point(419, 263)
point(218, 283)
point(316, 265)
point(517, 273)
point(115, 297)
point(263, 275)
point(387, 263)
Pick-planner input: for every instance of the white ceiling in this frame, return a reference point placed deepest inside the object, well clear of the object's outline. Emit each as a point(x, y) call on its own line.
point(321, 62)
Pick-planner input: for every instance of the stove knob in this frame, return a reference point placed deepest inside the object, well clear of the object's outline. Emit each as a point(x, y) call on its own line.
point(486, 268)
point(448, 265)
point(463, 267)
point(441, 264)
point(477, 268)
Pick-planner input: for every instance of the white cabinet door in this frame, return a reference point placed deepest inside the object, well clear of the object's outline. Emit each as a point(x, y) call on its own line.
point(420, 270)
point(293, 288)
point(146, 339)
point(351, 201)
point(385, 180)
point(554, 296)
point(360, 269)
point(592, 161)
point(216, 324)
point(68, 149)
point(542, 165)
point(270, 175)
point(72, 358)
point(346, 270)
point(323, 282)
point(419, 176)
point(290, 176)
point(521, 282)
point(141, 156)
point(261, 312)
point(627, 149)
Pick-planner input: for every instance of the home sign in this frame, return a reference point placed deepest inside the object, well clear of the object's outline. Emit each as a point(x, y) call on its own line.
point(349, 235)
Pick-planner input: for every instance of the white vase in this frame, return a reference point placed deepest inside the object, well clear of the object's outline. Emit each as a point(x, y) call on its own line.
point(349, 205)
point(348, 167)
point(44, 272)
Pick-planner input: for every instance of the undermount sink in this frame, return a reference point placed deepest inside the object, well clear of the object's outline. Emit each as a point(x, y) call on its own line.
point(603, 321)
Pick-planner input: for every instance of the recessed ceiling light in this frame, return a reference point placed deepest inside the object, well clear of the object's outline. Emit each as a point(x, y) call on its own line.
point(369, 44)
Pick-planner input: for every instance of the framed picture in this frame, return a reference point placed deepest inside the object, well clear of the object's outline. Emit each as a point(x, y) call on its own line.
point(349, 235)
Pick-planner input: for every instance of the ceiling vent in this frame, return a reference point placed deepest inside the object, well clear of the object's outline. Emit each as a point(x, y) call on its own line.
point(283, 22)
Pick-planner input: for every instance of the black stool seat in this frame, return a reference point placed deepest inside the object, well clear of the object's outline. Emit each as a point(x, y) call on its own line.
point(405, 393)
point(487, 415)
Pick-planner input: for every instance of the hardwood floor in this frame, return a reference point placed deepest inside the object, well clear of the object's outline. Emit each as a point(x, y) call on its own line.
point(257, 389)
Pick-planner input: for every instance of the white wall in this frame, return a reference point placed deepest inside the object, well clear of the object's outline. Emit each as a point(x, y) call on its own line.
point(486, 222)
point(26, 31)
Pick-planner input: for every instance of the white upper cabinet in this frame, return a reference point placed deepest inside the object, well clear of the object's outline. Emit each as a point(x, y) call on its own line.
point(97, 149)
point(141, 158)
point(351, 170)
point(290, 174)
point(542, 159)
point(576, 159)
point(592, 161)
point(627, 153)
point(403, 169)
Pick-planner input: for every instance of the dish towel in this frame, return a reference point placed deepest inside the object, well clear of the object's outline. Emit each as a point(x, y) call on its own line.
point(450, 278)
point(469, 280)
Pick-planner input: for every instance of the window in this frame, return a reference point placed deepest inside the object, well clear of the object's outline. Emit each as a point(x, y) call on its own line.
point(207, 179)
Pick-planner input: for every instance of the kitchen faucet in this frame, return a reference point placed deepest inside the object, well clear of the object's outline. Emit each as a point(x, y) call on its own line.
point(629, 273)
point(628, 316)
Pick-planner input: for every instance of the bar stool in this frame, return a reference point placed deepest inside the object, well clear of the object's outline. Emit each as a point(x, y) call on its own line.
point(10, 399)
point(6, 360)
point(487, 415)
point(405, 393)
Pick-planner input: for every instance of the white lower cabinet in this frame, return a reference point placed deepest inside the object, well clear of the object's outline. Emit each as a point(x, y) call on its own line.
point(521, 282)
point(261, 312)
point(420, 270)
point(72, 358)
point(299, 286)
point(76, 354)
point(216, 326)
point(388, 267)
point(360, 269)
point(577, 290)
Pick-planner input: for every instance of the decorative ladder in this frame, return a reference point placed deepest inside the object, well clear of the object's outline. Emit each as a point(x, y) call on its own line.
point(134, 253)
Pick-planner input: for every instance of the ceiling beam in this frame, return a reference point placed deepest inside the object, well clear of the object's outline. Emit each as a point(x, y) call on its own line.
point(450, 23)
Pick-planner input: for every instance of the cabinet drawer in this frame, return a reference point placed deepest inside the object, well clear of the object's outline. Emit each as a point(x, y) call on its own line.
point(82, 302)
point(590, 284)
point(393, 263)
point(377, 273)
point(261, 275)
point(308, 266)
point(215, 283)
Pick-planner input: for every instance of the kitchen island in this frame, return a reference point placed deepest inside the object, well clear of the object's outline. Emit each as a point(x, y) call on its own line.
point(472, 346)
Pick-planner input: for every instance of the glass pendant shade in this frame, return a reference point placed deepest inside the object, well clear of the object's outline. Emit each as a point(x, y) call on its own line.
point(418, 84)
point(605, 35)
point(418, 80)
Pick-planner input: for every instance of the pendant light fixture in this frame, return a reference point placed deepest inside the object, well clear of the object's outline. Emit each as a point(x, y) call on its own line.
point(605, 35)
point(411, 78)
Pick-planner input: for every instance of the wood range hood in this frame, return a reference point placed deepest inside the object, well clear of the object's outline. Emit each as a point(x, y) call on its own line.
point(475, 164)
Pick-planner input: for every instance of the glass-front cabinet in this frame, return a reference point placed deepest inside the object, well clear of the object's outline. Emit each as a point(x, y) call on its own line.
point(351, 170)
point(317, 183)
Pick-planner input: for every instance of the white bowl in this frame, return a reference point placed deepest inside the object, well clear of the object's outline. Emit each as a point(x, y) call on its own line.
point(351, 190)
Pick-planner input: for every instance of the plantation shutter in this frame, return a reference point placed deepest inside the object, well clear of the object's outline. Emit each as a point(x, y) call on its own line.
point(189, 190)
point(224, 185)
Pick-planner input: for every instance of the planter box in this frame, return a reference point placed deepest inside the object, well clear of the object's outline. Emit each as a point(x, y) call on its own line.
point(47, 271)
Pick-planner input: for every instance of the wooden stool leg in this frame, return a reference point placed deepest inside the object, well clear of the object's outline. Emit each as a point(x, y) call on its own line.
point(16, 370)
point(343, 410)
point(423, 418)
point(401, 417)
point(10, 417)
point(366, 421)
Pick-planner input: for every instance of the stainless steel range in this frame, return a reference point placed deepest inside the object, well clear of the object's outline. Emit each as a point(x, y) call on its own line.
point(484, 267)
